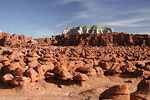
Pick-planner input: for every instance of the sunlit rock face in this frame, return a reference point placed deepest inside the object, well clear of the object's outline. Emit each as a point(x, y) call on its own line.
point(88, 29)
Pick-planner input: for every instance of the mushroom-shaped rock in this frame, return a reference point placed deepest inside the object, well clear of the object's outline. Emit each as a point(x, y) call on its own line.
point(64, 75)
point(99, 71)
point(88, 71)
point(20, 81)
point(30, 59)
point(49, 75)
point(42, 69)
point(13, 55)
point(19, 71)
point(33, 64)
point(62, 72)
point(91, 72)
point(33, 54)
point(6, 63)
point(105, 65)
point(32, 74)
point(118, 92)
point(3, 58)
point(81, 77)
point(13, 66)
point(143, 91)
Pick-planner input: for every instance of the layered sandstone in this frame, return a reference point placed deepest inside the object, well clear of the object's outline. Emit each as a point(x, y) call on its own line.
point(117, 39)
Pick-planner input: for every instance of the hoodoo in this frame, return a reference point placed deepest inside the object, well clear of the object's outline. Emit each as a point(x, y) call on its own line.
point(88, 29)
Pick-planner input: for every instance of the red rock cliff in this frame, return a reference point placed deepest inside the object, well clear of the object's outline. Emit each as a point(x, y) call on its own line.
point(119, 39)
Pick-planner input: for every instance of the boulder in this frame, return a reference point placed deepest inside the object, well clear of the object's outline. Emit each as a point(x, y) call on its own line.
point(33, 64)
point(49, 75)
point(3, 58)
point(143, 91)
point(13, 66)
point(19, 71)
point(42, 69)
point(6, 63)
point(64, 75)
point(33, 54)
point(7, 78)
point(62, 72)
point(117, 92)
point(14, 55)
point(115, 69)
point(20, 81)
point(105, 65)
point(91, 72)
point(32, 74)
point(87, 70)
point(81, 77)
point(99, 71)
point(33, 41)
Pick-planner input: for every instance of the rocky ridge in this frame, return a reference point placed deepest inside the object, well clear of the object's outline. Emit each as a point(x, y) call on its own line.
point(116, 39)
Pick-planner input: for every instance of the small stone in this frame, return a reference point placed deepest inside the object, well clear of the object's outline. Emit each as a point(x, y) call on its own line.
point(7, 78)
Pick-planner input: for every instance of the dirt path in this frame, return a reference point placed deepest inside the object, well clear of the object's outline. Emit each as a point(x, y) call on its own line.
point(92, 88)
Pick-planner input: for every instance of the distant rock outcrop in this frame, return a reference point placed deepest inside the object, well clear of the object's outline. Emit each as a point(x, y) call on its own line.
point(7, 39)
point(118, 39)
point(85, 39)
point(88, 29)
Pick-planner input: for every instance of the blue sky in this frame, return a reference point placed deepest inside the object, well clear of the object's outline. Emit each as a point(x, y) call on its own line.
point(44, 18)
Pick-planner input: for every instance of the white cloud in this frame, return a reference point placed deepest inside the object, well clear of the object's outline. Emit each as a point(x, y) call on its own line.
point(36, 31)
point(128, 22)
point(41, 33)
point(89, 12)
point(64, 2)
point(65, 22)
point(0, 30)
point(144, 32)
point(108, 15)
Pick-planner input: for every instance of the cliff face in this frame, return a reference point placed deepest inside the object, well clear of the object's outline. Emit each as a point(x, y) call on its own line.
point(86, 39)
point(119, 39)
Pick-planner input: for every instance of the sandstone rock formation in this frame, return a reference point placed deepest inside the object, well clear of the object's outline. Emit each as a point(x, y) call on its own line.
point(116, 39)
point(85, 39)
point(118, 92)
point(76, 64)
point(143, 90)
point(7, 39)
point(88, 29)
point(75, 59)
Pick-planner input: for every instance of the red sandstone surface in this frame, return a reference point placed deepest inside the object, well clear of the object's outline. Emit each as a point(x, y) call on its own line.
point(113, 66)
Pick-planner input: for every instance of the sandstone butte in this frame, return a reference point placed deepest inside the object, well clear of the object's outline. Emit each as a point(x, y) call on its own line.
point(120, 62)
